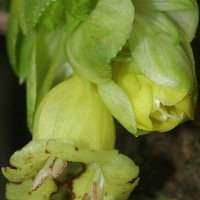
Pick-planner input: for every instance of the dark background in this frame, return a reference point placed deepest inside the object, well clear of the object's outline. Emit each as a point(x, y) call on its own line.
point(169, 162)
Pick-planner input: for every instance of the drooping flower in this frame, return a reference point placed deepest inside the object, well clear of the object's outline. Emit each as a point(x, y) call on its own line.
point(76, 112)
point(156, 107)
point(156, 62)
point(71, 126)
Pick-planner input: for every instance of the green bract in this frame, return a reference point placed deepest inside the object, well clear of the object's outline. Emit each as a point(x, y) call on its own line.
point(35, 48)
point(118, 104)
point(46, 68)
point(92, 45)
point(161, 60)
point(183, 13)
point(24, 16)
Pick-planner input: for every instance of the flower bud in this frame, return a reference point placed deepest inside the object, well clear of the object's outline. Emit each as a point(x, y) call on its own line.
point(74, 111)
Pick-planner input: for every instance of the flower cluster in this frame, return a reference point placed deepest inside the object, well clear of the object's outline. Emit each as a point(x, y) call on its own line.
point(84, 63)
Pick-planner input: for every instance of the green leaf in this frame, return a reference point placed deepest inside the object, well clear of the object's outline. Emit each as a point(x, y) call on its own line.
point(98, 39)
point(118, 104)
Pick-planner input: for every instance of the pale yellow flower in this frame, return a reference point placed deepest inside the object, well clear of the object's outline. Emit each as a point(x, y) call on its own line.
point(156, 107)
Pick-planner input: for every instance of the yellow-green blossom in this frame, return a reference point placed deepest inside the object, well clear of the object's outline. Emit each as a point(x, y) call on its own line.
point(72, 125)
point(156, 107)
point(36, 168)
point(73, 110)
point(157, 67)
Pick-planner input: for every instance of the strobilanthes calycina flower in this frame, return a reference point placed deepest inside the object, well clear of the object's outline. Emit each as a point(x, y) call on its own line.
point(134, 62)
point(72, 153)
point(154, 84)
point(76, 110)
point(156, 107)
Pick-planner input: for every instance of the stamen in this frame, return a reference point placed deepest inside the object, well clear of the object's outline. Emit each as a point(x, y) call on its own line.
point(52, 168)
point(166, 115)
point(179, 117)
point(58, 167)
point(43, 173)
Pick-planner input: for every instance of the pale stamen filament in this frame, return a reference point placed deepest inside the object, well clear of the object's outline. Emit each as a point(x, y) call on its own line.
point(165, 114)
point(58, 167)
point(52, 168)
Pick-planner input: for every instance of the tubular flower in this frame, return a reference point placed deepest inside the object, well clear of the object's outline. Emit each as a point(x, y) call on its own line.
point(75, 112)
point(155, 63)
point(72, 152)
point(156, 107)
